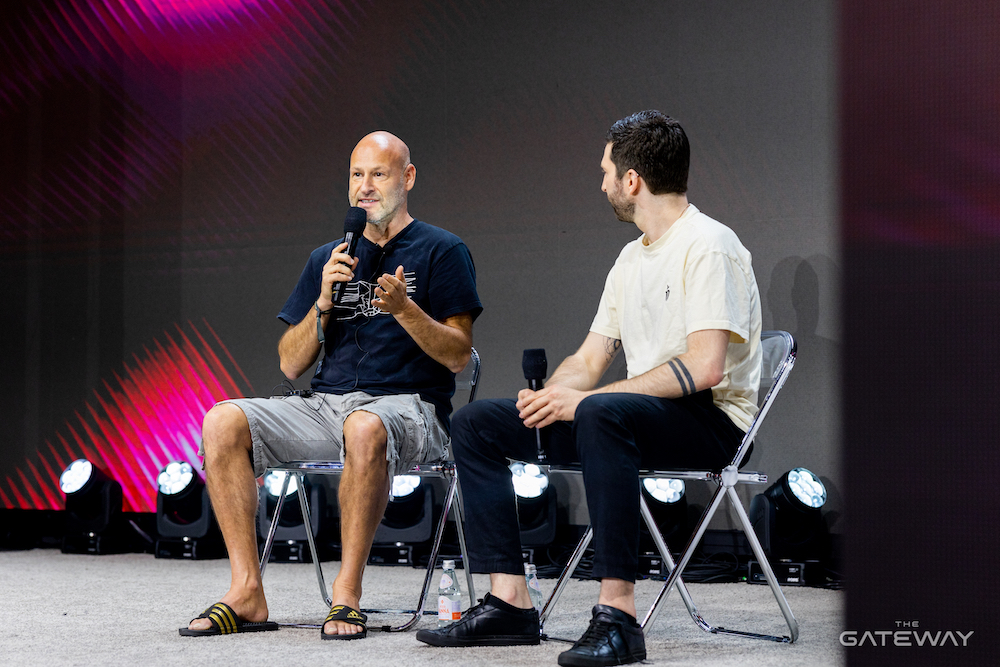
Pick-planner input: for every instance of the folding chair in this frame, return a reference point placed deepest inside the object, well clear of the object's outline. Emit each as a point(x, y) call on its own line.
point(446, 469)
point(778, 352)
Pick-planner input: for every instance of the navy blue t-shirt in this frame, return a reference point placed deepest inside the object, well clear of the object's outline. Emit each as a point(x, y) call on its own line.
point(366, 349)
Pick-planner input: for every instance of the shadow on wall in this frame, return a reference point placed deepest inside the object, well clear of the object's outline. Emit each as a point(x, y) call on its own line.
point(808, 408)
point(803, 427)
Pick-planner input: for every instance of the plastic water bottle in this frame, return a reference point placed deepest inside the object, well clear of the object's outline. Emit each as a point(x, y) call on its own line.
point(449, 596)
point(534, 588)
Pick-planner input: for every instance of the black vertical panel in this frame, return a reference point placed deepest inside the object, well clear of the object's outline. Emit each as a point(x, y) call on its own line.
point(921, 223)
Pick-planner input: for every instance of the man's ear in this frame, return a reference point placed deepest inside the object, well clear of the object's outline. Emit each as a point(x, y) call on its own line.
point(409, 176)
point(633, 182)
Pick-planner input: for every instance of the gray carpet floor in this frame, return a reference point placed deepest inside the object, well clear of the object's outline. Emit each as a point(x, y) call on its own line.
point(60, 609)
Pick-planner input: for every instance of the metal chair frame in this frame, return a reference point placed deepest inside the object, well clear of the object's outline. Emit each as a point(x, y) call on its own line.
point(452, 501)
point(778, 350)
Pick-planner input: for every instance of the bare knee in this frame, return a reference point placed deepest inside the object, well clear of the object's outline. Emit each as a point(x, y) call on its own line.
point(365, 437)
point(225, 431)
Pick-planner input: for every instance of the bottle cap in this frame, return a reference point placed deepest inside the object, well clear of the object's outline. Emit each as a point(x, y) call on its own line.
point(529, 568)
point(448, 565)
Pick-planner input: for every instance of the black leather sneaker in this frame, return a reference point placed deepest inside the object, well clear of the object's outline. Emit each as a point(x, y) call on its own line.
point(492, 622)
point(613, 638)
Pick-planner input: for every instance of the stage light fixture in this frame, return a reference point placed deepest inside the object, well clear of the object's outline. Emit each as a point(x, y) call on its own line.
point(408, 522)
point(76, 476)
point(529, 480)
point(404, 485)
point(290, 540)
point(536, 507)
point(175, 478)
point(806, 487)
point(668, 491)
point(273, 482)
point(668, 504)
point(184, 520)
point(94, 520)
point(789, 522)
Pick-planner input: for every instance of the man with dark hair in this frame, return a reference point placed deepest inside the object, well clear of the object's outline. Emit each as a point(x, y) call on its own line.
point(380, 396)
point(682, 302)
point(656, 147)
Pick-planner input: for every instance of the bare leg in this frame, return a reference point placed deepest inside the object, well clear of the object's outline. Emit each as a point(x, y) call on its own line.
point(364, 493)
point(233, 490)
point(510, 588)
point(619, 594)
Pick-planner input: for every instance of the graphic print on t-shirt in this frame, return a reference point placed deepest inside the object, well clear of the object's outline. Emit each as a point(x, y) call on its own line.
point(358, 298)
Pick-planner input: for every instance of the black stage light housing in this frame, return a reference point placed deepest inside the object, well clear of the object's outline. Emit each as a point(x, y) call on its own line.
point(185, 522)
point(788, 519)
point(536, 506)
point(94, 520)
point(409, 515)
point(667, 502)
point(290, 540)
point(408, 522)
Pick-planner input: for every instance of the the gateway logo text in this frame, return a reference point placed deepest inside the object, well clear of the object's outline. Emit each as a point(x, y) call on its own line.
point(906, 634)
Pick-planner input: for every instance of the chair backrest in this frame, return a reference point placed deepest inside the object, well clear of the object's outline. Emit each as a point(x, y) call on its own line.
point(777, 358)
point(468, 379)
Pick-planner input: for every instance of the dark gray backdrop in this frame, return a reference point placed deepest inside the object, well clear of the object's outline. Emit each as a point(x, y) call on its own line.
point(505, 107)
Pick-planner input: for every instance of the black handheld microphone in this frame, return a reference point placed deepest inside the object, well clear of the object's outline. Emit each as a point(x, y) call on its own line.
point(354, 226)
point(535, 368)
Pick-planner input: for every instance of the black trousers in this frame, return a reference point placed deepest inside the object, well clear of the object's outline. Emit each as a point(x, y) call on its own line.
point(613, 436)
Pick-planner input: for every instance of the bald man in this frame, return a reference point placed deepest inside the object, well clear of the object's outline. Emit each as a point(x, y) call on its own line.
point(380, 396)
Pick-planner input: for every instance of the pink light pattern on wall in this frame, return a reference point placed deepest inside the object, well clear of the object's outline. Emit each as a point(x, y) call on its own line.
point(148, 415)
point(238, 80)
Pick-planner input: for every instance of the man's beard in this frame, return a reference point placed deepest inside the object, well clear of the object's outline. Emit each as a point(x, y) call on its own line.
point(382, 221)
point(623, 211)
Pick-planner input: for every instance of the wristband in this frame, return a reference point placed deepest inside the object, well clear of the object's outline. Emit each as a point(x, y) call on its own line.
point(319, 322)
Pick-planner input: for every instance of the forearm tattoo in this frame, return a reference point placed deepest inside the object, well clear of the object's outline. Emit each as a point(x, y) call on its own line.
point(611, 347)
point(684, 378)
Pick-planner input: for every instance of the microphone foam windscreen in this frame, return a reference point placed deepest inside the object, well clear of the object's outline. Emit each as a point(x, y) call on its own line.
point(355, 221)
point(534, 364)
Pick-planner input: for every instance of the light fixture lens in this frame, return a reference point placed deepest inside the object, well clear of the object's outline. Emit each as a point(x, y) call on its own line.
point(404, 485)
point(807, 487)
point(274, 480)
point(76, 476)
point(175, 477)
point(529, 480)
point(663, 489)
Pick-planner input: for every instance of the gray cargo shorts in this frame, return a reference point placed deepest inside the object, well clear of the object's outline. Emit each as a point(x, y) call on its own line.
point(296, 428)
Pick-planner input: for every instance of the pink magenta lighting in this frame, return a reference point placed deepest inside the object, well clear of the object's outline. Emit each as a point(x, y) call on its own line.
point(188, 33)
point(146, 416)
point(237, 80)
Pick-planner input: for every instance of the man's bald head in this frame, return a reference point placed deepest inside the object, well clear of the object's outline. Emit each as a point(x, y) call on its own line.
point(388, 144)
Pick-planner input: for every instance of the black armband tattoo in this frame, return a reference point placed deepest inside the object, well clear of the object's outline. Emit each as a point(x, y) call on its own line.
point(611, 347)
point(684, 378)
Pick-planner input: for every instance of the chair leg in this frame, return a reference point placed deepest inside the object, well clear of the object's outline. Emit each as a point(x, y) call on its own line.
point(720, 494)
point(269, 542)
point(567, 573)
point(689, 550)
point(460, 528)
point(415, 614)
point(452, 502)
point(765, 566)
point(581, 548)
point(661, 546)
point(307, 522)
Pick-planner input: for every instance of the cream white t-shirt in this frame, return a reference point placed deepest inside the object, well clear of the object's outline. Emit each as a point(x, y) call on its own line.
point(697, 276)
